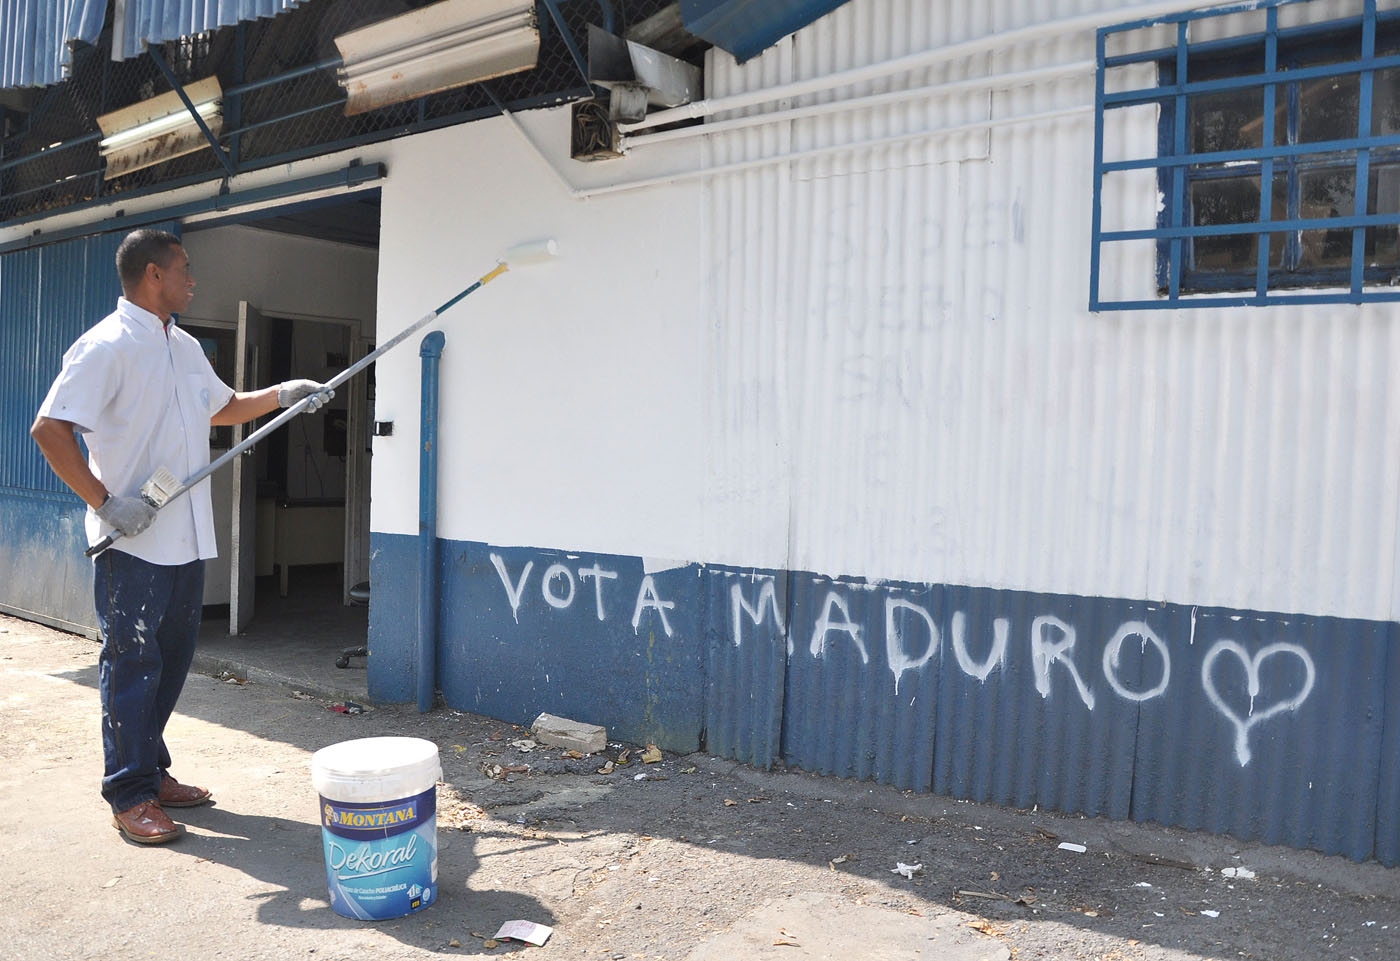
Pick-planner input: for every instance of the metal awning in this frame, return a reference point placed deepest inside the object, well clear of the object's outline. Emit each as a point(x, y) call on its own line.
point(37, 36)
point(747, 27)
point(136, 23)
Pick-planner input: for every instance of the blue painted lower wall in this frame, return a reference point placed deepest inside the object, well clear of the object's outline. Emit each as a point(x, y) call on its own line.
point(43, 573)
point(1273, 727)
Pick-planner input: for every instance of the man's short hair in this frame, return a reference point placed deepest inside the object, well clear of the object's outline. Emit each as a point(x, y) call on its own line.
point(142, 247)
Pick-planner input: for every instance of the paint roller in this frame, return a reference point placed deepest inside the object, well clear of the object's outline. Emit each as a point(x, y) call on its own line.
point(162, 487)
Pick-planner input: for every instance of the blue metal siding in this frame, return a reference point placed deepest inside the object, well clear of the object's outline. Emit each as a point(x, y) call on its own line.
point(746, 658)
point(19, 308)
point(42, 569)
point(1104, 706)
point(514, 660)
point(1213, 757)
point(1388, 790)
point(48, 296)
point(1018, 730)
point(844, 713)
point(35, 37)
point(746, 27)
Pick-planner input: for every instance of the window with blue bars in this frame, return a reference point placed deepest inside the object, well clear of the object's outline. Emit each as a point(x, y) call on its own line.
point(1277, 166)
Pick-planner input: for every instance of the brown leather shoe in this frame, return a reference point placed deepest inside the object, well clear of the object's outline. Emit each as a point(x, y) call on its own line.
point(173, 794)
point(146, 823)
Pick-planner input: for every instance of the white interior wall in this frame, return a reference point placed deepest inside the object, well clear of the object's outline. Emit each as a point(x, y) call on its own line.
point(279, 273)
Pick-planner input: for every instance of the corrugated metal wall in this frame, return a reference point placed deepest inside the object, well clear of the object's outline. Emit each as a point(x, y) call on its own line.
point(48, 296)
point(908, 383)
point(908, 386)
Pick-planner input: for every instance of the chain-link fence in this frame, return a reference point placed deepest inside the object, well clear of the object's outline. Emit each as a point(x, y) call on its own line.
point(49, 156)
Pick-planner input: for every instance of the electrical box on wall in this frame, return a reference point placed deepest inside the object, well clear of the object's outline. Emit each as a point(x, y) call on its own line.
point(592, 133)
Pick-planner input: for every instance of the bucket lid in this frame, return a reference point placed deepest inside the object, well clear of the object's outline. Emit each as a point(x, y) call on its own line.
point(373, 757)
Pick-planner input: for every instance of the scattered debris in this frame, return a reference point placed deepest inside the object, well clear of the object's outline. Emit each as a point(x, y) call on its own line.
point(228, 677)
point(651, 755)
point(1070, 846)
point(729, 802)
point(907, 870)
point(454, 943)
point(759, 800)
point(572, 755)
point(1027, 898)
point(524, 744)
point(527, 931)
point(1142, 884)
point(113, 882)
point(458, 748)
point(453, 811)
point(302, 696)
point(490, 943)
point(650, 776)
point(349, 707)
point(499, 771)
point(1244, 873)
point(1164, 862)
point(688, 770)
point(785, 938)
point(606, 768)
point(1048, 835)
point(569, 734)
point(1211, 914)
point(623, 756)
point(986, 927)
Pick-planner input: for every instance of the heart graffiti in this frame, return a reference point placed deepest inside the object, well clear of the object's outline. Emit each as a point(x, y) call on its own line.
point(1251, 667)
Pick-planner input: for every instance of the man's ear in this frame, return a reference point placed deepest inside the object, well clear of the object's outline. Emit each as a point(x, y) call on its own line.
point(153, 271)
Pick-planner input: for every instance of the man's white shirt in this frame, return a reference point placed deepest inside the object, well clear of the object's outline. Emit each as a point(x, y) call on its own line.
point(142, 395)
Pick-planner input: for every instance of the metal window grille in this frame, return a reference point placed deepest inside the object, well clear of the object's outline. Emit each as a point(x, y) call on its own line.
point(1195, 231)
point(281, 100)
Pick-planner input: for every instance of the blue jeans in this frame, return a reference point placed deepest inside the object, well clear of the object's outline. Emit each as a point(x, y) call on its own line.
point(149, 615)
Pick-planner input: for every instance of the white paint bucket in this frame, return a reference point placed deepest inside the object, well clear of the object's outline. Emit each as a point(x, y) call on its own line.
point(379, 824)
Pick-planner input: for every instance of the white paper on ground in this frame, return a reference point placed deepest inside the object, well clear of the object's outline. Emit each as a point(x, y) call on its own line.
point(527, 931)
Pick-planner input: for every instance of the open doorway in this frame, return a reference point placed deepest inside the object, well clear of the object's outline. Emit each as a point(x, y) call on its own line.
point(282, 294)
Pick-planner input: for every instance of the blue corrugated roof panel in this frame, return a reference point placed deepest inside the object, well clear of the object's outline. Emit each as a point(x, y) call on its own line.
point(36, 38)
point(747, 27)
point(155, 21)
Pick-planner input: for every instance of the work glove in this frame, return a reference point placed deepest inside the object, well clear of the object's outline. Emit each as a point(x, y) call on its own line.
point(291, 391)
point(130, 515)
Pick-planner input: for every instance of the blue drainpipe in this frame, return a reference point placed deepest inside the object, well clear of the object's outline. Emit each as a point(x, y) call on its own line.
point(431, 352)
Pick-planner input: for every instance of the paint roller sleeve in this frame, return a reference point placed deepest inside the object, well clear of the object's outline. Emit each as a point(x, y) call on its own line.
point(535, 252)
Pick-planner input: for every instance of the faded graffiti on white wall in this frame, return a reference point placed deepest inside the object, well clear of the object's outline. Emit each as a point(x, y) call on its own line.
point(913, 638)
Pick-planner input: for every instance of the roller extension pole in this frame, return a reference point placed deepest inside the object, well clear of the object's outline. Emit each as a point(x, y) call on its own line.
point(524, 255)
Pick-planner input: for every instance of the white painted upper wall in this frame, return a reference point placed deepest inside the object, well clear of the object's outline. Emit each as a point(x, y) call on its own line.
point(571, 390)
point(912, 387)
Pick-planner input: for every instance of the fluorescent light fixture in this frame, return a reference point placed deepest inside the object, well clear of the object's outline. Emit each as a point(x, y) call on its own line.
point(443, 45)
point(159, 129)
